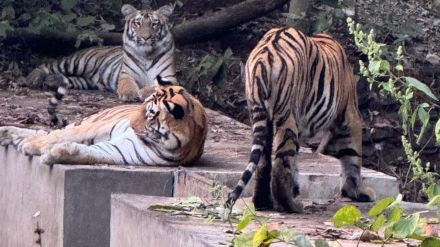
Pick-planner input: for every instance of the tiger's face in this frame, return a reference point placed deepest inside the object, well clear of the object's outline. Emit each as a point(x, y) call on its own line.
point(147, 29)
point(174, 117)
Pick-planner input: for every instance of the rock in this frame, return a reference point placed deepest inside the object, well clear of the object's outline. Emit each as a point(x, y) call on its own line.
point(433, 59)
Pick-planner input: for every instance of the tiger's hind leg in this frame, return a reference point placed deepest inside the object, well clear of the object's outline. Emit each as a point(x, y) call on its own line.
point(262, 197)
point(345, 144)
point(284, 182)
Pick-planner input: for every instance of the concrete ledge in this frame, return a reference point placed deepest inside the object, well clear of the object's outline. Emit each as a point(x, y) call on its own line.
point(71, 203)
point(132, 224)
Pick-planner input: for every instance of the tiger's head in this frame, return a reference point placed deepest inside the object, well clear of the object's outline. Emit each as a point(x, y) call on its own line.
point(174, 121)
point(147, 30)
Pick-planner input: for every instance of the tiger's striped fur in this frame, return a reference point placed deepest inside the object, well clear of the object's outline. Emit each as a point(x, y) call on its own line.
point(129, 70)
point(169, 128)
point(296, 86)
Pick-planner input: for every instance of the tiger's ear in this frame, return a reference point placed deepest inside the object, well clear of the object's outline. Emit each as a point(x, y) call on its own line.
point(161, 82)
point(128, 9)
point(166, 10)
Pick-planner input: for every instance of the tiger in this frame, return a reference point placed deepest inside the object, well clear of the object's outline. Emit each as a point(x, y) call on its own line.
point(296, 86)
point(168, 129)
point(130, 70)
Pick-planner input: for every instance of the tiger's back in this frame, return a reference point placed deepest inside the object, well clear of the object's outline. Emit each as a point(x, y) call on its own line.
point(284, 65)
point(296, 86)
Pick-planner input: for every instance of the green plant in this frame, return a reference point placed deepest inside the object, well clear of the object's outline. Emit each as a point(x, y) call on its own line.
point(415, 98)
point(214, 67)
point(386, 220)
point(268, 233)
point(43, 15)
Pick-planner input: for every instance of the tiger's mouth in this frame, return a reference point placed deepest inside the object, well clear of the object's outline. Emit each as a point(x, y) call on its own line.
point(150, 40)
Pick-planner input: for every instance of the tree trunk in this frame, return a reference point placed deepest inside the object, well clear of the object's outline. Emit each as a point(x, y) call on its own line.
point(187, 32)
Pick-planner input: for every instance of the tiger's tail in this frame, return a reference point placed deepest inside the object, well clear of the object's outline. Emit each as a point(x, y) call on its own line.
point(56, 83)
point(261, 135)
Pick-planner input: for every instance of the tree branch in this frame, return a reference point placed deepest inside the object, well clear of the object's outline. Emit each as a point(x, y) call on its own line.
point(184, 33)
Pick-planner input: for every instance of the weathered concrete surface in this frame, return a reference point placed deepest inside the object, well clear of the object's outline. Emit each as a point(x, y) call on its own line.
point(132, 224)
point(73, 201)
point(226, 155)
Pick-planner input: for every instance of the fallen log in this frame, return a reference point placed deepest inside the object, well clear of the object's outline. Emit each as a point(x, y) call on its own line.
point(187, 32)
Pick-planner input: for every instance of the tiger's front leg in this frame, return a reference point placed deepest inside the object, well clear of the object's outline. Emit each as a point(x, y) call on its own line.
point(76, 153)
point(128, 90)
point(124, 149)
point(20, 137)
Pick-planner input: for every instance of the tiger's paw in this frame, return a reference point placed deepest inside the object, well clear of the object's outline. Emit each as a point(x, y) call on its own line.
point(128, 91)
point(5, 136)
point(359, 194)
point(289, 206)
point(14, 135)
point(262, 205)
point(58, 153)
point(28, 147)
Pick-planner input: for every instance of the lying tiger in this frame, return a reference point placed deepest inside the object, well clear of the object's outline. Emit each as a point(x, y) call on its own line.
point(169, 128)
point(129, 70)
point(297, 86)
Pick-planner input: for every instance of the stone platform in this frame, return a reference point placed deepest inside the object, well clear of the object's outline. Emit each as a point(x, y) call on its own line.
point(134, 225)
point(68, 205)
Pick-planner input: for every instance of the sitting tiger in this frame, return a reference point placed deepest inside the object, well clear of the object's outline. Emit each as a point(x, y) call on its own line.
point(130, 69)
point(296, 86)
point(169, 128)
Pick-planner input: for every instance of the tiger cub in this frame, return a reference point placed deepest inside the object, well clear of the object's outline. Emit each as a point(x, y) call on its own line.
point(296, 86)
point(169, 128)
point(130, 69)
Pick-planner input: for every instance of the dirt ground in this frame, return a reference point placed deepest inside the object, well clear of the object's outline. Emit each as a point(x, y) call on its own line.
point(412, 23)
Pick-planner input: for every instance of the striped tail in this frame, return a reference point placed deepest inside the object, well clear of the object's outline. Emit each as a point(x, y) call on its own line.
point(260, 138)
point(58, 85)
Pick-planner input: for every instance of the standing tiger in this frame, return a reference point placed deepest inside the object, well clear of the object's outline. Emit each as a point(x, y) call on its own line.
point(130, 69)
point(296, 86)
point(169, 128)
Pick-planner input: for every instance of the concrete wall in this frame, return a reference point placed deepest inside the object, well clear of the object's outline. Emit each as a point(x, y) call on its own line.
point(73, 201)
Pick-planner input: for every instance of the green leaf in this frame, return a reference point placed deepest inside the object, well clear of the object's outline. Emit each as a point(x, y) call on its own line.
point(321, 243)
point(384, 66)
point(397, 201)
point(8, 13)
point(378, 223)
point(107, 27)
point(248, 216)
point(24, 17)
point(424, 118)
point(244, 221)
point(406, 227)
point(413, 82)
point(430, 242)
point(85, 21)
point(399, 67)
point(286, 235)
point(377, 67)
point(437, 131)
point(395, 215)
point(435, 201)
point(164, 208)
point(347, 215)
point(260, 236)
point(379, 207)
point(68, 4)
point(302, 241)
point(244, 240)
point(5, 27)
